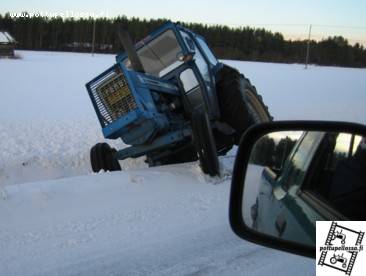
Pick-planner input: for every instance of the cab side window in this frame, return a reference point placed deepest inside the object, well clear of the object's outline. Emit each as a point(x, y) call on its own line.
point(207, 51)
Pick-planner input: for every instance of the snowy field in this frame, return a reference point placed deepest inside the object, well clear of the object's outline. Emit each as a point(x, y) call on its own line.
point(47, 123)
point(161, 221)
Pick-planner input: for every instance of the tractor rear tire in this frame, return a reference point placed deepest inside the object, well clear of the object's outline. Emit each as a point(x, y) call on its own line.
point(102, 158)
point(240, 104)
point(205, 144)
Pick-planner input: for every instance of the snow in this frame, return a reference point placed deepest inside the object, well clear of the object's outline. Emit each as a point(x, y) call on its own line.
point(160, 221)
point(168, 220)
point(5, 37)
point(47, 122)
point(316, 93)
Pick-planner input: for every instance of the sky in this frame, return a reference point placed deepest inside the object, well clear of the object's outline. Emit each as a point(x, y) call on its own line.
point(290, 17)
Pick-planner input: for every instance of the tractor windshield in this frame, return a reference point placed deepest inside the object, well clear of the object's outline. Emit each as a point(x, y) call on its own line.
point(160, 55)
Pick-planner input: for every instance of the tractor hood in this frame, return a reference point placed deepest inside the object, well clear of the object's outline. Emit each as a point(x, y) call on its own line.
point(125, 106)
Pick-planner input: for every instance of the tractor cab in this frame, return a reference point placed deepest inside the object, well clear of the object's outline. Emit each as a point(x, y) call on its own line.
point(176, 54)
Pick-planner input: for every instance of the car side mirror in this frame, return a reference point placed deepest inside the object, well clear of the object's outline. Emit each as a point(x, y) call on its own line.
point(288, 175)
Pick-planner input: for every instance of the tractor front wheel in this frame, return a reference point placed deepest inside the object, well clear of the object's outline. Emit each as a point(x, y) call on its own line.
point(102, 158)
point(205, 144)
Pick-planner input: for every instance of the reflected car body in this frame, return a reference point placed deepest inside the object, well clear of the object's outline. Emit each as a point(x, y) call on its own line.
point(283, 209)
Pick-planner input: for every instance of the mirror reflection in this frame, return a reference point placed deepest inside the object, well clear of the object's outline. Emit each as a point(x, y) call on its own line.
point(295, 178)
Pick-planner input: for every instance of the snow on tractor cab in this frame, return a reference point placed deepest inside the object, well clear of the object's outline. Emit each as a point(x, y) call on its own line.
point(169, 98)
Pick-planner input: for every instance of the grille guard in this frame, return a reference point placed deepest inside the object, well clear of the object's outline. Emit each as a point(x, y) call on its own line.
point(111, 95)
point(124, 106)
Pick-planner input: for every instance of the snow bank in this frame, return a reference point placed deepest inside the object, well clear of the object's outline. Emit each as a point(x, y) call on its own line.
point(47, 122)
point(158, 221)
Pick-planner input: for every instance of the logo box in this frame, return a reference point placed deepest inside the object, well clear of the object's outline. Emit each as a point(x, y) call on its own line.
point(340, 248)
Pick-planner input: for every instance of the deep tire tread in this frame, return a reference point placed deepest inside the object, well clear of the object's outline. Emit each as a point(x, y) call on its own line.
point(240, 104)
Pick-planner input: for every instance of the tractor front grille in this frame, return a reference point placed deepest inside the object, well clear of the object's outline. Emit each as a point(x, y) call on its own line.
point(112, 96)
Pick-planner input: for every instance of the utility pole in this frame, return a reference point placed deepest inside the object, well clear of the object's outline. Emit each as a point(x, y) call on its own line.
point(308, 49)
point(93, 43)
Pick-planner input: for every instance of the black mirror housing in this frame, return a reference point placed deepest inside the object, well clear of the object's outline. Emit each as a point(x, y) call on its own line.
point(246, 144)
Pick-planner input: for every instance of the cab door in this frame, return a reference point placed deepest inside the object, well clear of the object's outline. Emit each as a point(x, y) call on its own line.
point(205, 70)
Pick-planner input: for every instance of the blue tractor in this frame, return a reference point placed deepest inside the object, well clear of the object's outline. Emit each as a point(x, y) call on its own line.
point(171, 100)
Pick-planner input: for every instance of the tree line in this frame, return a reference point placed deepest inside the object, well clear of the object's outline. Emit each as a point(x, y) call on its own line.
point(244, 43)
point(267, 152)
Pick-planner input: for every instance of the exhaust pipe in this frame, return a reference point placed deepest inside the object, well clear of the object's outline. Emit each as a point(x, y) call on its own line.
point(126, 41)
